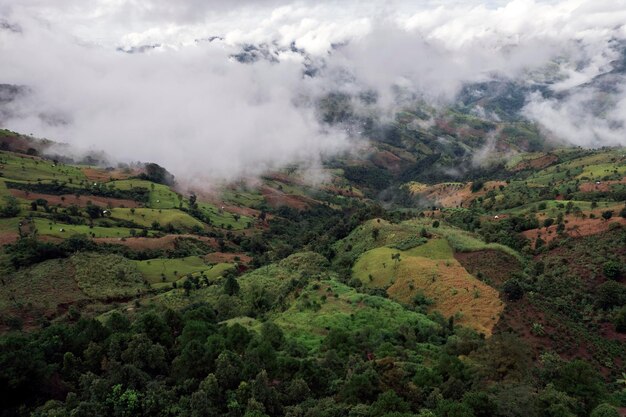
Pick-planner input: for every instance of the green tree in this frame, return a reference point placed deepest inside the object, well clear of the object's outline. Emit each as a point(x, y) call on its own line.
point(513, 289)
point(11, 207)
point(612, 270)
point(606, 215)
point(231, 286)
point(604, 410)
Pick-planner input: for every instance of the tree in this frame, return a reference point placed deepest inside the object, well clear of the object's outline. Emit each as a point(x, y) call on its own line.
point(513, 289)
point(580, 380)
point(389, 402)
point(187, 286)
point(610, 294)
point(231, 286)
point(396, 258)
point(604, 410)
point(436, 224)
point(158, 174)
point(447, 408)
point(612, 270)
point(11, 208)
point(606, 215)
point(93, 211)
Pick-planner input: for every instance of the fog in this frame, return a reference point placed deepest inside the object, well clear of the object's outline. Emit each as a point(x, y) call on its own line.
point(184, 102)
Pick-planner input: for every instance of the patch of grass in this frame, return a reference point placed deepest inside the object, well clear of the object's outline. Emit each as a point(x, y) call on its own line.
point(42, 288)
point(247, 322)
point(61, 230)
point(331, 305)
point(161, 196)
point(10, 225)
point(242, 197)
point(106, 277)
point(223, 218)
point(146, 217)
point(26, 168)
point(435, 274)
point(155, 270)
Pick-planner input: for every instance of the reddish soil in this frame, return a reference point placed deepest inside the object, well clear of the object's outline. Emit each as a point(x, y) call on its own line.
point(222, 257)
point(276, 198)
point(457, 195)
point(589, 187)
point(387, 160)
point(537, 163)
point(575, 227)
point(147, 243)
point(49, 239)
point(70, 199)
point(20, 144)
point(230, 208)
point(8, 237)
point(243, 211)
point(102, 175)
point(519, 316)
point(494, 265)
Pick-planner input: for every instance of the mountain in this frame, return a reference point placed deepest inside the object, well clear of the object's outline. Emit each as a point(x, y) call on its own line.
point(426, 276)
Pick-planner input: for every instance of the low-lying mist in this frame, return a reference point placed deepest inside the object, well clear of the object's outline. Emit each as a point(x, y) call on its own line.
point(215, 92)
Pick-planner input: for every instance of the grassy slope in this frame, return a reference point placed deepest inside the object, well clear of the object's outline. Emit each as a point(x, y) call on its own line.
point(330, 305)
point(153, 270)
point(145, 217)
point(48, 228)
point(26, 168)
point(223, 218)
point(43, 287)
point(107, 276)
point(431, 269)
point(161, 196)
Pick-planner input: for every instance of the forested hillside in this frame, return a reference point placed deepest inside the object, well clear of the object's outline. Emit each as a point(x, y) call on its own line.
point(393, 287)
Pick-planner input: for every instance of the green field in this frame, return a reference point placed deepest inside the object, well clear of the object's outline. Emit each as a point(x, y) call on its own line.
point(432, 271)
point(224, 219)
point(25, 168)
point(10, 225)
point(154, 270)
point(330, 305)
point(61, 230)
point(43, 286)
point(145, 217)
point(107, 276)
point(161, 196)
point(242, 198)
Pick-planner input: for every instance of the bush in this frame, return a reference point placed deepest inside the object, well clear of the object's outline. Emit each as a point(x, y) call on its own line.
point(610, 294)
point(612, 270)
point(513, 289)
point(604, 410)
point(11, 209)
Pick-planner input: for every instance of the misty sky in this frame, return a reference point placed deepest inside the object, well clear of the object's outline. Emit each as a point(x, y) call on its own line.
point(187, 104)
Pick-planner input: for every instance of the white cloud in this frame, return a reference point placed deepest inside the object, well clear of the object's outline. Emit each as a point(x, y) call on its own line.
point(190, 107)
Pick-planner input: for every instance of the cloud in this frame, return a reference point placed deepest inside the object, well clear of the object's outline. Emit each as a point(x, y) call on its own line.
point(187, 104)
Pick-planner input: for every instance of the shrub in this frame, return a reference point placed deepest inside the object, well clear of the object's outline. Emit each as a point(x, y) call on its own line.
point(612, 270)
point(610, 294)
point(604, 410)
point(513, 289)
